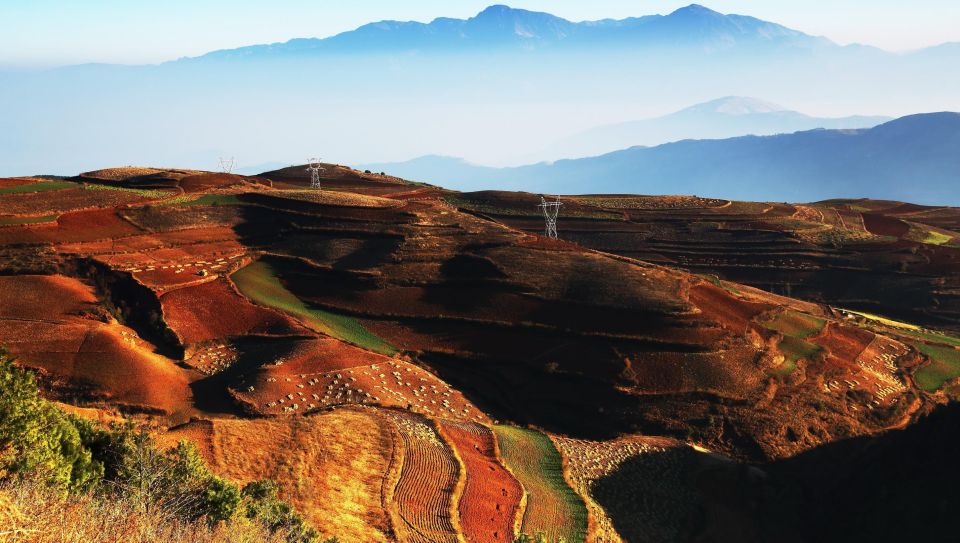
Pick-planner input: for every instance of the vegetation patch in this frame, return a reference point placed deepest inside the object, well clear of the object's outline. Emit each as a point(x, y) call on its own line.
point(795, 324)
point(944, 365)
point(260, 282)
point(795, 328)
point(553, 508)
point(71, 460)
point(145, 193)
point(39, 186)
point(215, 200)
point(12, 221)
point(886, 321)
point(928, 236)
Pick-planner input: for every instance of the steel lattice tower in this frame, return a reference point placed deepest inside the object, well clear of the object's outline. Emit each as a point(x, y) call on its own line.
point(550, 212)
point(313, 165)
point(226, 164)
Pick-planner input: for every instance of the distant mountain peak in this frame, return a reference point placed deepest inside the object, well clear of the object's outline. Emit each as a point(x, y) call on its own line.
point(496, 10)
point(736, 105)
point(695, 9)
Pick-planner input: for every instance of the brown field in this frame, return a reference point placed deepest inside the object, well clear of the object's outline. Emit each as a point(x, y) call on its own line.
point(196, 314)
point(423, 499)
point(330, 465)
point(491, 496)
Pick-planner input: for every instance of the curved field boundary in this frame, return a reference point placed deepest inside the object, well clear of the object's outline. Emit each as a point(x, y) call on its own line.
point(553, 508)
point(259, 283)
point(423, 498)
point(491, 495)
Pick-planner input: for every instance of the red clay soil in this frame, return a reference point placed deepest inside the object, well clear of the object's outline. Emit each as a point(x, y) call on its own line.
point(882, 225)
point(207, 181)
point(543, 242)
point(326, 372)
point(491, 495)
point(719, 305)
point(15, 182)
point(43, 297)
point(843, 343)
point(41, 324)
point(93, 225)
point(214, 310)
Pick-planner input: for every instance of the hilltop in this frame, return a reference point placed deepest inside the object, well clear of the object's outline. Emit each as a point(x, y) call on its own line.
point(431, 365)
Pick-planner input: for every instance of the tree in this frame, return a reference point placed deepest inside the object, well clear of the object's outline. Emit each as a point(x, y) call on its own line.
point(37, 440)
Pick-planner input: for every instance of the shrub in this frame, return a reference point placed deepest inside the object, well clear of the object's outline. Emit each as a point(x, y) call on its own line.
point(37, 440)
point(90, 468)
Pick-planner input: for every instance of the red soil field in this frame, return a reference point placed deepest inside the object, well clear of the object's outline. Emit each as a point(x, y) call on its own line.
point(327, 372)
point(43, 297)
point(719, 305)
point(14, 181)
point(491, 495)
point(41, 324)
point(207, 181)
point(844, 343)
point(215, 310)
point(94, 225)
point(885, 226)
point(422, 504)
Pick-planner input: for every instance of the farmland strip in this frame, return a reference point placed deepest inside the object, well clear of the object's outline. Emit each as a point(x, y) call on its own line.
point(423, 497)
point(491, 495)
point(553, 508)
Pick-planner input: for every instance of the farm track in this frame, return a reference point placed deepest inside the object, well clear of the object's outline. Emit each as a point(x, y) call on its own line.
point(491, 496)
point(424, 495)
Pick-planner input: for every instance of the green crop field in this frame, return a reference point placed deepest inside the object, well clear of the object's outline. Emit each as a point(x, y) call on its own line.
point(796, 328)
point(260, 283)
point(553, 508)
point(215, 200)
point(796, 324)
point(11, 221)
point(944, 365)
point(39, 186)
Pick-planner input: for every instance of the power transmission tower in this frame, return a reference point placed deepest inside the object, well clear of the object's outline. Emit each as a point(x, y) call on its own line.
point(315, 168)
point(226, 164)
point(550, 212)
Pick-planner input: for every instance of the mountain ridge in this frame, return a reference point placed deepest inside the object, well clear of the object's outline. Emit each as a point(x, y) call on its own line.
point(726, 117)
point(501, 25)
point(912, 158)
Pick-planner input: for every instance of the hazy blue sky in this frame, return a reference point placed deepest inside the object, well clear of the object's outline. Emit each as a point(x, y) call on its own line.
point(139, 31)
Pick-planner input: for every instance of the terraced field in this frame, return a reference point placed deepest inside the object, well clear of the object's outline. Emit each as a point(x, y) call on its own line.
point(552, 507)
point(491, 496)
point(358, 343)
point(423, 501)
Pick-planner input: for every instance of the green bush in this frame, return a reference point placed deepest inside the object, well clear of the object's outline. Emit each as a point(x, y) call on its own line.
point(37, 440)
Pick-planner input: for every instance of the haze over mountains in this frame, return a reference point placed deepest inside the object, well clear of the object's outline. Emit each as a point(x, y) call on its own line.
point(497, 88)
point(913, 158)
point(722, 118)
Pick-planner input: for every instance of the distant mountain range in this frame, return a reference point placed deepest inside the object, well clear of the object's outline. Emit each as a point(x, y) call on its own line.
point(502, 26)
point(914, 159)
point(497, 88)
point(723, 118)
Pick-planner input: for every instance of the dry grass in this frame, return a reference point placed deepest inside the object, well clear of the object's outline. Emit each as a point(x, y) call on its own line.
point(330, 466)
point(34, 514)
